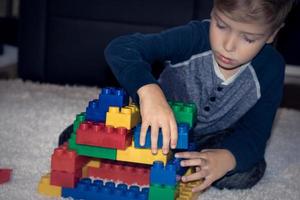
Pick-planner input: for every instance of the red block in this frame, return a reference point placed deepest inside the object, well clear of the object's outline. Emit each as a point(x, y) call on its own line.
point(5, 175)
point(120, 171)
point(65, 179)
point(97, 134)
point(67, 160)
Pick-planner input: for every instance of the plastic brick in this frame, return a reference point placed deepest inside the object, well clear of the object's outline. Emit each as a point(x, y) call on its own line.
point(100, 135)
point(45, 188)
point(79, 119)
point(92, 151)
point(122, 172)
point(144, 156)
point(163, 175)
point(67, 160)
point(182, 142)
point(5, 175)
point(127, 116)
point(88, 189)
point(185, 191)
point(111, 96)
point(184, 112)
point(162, 192)
point(94, 112)
point(65, 179)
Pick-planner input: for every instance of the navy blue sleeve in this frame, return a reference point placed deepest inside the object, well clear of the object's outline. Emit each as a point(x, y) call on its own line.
point(130, 57)
point(252, 131)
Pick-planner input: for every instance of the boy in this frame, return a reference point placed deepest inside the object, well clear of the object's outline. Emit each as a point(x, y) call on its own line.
point(229, 69)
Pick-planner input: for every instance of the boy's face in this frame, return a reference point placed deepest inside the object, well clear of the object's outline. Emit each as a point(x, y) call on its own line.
point(235, 43)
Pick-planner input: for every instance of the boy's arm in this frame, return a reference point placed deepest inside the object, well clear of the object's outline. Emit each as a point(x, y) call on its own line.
point(130, 57)
point(251, 132)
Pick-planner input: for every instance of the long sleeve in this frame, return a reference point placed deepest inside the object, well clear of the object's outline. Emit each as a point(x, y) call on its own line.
point(252, 131)
point(130, 57)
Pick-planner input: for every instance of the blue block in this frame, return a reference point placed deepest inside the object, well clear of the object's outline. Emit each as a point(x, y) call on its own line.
point(180, 171)
point(182, 142)
point(88, 190)
point(93, 112)
point(163, 175)
point(110, 96)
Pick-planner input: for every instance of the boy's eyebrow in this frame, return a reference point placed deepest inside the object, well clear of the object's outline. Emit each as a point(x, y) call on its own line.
point(248, 33)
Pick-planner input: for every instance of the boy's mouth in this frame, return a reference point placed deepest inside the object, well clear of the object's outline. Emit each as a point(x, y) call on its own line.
point(224, 59)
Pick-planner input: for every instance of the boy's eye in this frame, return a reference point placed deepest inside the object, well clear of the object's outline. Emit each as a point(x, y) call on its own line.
point(220, 26)
point(248, 39)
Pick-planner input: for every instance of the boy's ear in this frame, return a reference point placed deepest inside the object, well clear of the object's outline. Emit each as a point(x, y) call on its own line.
point(273, 35)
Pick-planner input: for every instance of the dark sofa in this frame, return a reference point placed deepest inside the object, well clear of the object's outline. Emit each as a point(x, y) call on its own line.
point(62, 41)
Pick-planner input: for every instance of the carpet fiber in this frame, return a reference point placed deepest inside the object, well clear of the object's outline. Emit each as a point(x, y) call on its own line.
point(33, 115)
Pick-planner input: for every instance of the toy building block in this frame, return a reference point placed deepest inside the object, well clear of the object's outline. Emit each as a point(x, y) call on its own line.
point(163, 175)
point(92, 151)
point(86, 189)
point(121, 172)
point(65, 179)
point(143, 156)
point(182, 142)
point(185, 191)
point(165, 192)
point(110, 96)
point(79, 119)
point(127, 117)
point(176, 161)
point(94, 113)
point(45, 188)
point(184, 112)
point(91, 163)
point(5, 175)
point(100, 135)
point(67, 160)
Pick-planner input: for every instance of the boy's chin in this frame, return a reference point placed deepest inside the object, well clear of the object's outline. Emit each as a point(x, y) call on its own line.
point(228, 67)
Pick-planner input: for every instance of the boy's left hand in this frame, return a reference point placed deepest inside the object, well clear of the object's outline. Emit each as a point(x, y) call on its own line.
point(211, 165)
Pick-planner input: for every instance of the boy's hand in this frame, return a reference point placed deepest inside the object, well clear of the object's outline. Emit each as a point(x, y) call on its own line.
point(156, 113)
point(211, 165)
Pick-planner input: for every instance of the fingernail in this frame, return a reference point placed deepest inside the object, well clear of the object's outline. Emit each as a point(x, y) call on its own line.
point(176, 156)
point(182, 163)
point(165, 151)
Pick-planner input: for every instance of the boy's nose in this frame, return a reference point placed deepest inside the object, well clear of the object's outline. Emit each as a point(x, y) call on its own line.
point(230, 43)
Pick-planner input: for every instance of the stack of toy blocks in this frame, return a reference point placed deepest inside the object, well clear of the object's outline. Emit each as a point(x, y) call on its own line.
point(104, 160)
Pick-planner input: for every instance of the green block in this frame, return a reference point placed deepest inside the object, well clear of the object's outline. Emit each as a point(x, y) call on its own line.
point(184, 112)
point(162, 192)
point(79, 118)
point(92, 151)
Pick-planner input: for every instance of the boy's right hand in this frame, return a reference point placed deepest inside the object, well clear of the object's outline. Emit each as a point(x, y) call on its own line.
point(156, 113)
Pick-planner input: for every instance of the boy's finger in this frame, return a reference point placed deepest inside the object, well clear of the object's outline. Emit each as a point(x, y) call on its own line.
point(174, 133)
point(187, 154)
point(195, 176)
point(144, 128)
point(166, 138)
point(205, 184)
point(154, 136)
point(193, 162)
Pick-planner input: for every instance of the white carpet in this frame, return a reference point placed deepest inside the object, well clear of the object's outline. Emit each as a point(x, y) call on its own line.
point(33, 115)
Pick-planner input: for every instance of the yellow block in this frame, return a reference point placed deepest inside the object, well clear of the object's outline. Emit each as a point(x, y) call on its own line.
point(45, 188)
point(185, 191)
point(136, 155)
point(128, 117)
point(91, 163)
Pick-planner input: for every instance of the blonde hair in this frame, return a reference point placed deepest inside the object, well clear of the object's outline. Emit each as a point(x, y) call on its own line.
point(270, 12)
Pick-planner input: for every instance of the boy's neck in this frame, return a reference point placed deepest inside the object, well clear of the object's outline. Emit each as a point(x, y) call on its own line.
point(228, 73)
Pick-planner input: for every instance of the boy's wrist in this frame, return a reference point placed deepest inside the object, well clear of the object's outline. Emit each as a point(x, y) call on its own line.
point(149, 89)
point(231, 160)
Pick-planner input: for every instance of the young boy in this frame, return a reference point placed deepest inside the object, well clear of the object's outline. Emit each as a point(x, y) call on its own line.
point(228, 68)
